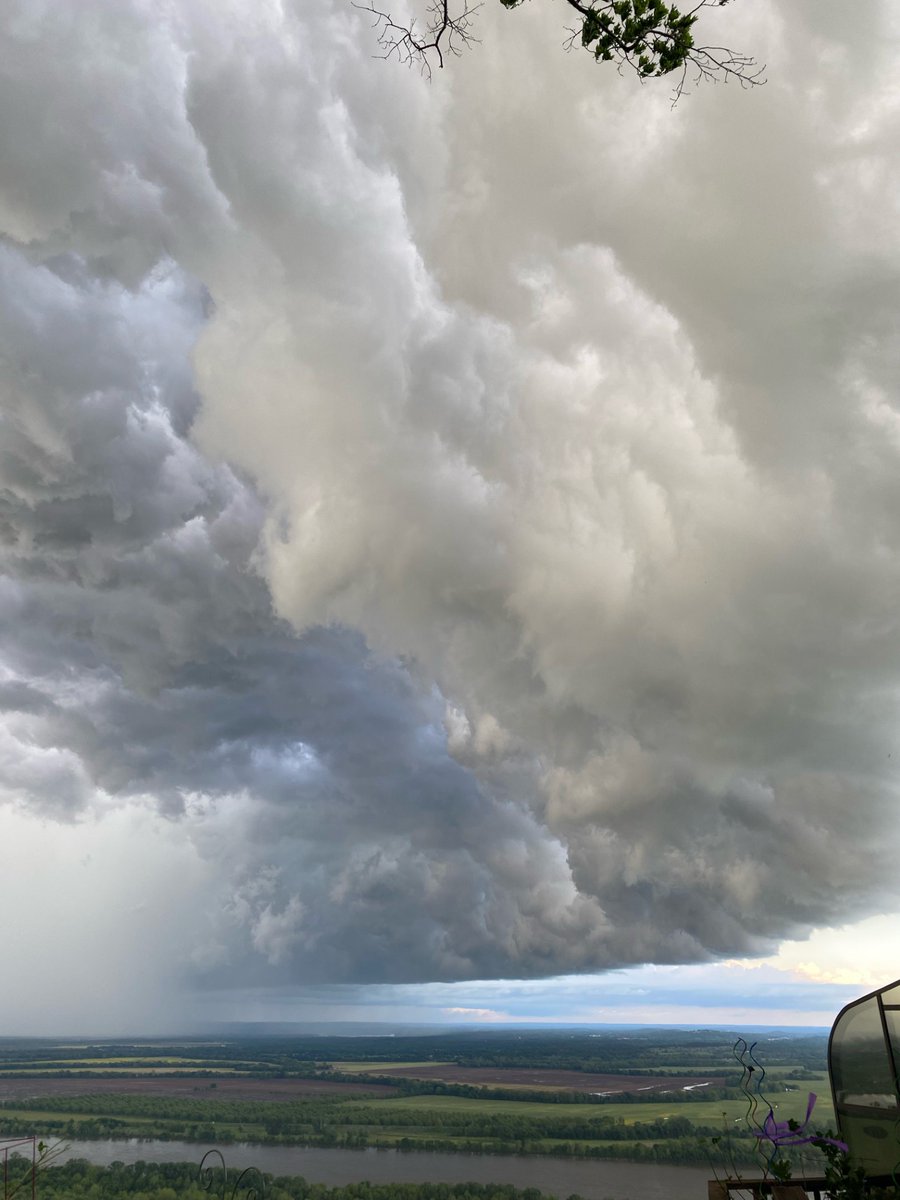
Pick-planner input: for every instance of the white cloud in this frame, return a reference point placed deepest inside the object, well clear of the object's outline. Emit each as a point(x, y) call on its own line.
point(476, 1014)
point(865, 954)
point(559, 427)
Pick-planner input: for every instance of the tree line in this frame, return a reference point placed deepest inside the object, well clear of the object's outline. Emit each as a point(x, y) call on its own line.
point(81, 1180)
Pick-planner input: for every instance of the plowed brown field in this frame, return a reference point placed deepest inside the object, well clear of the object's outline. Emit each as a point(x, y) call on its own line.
point(189, 1088)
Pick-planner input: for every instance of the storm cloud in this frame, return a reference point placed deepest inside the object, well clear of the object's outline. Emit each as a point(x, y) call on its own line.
point(143, 660)
point(468, 511)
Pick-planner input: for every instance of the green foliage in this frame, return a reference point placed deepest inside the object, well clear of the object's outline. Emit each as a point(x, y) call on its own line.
point(846, 1179)
point(781, 1169)
point(420, 1114)
point(79, 1180)
point(19, 1169)
point(653, 37)
point(671, 1052)
point(649, 36)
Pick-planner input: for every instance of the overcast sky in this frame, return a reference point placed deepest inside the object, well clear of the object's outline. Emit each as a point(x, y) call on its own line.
point(449, 532)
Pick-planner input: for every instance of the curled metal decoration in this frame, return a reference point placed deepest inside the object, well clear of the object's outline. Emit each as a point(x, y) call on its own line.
point(208, 1176)
point(250, 1184)
point(753, 1073)
point(780, 1135)
point(206, 1172)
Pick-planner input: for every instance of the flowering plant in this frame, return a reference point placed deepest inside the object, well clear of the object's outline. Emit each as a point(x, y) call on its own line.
point(784, 1135)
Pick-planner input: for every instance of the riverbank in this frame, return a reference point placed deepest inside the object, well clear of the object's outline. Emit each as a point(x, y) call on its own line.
point(339, 1167)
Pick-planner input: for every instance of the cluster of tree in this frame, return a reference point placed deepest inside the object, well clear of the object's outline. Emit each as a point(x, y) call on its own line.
point(637, 1052)
point(263, 1057)
point(24, 1127)
point(696, 1149)
point(183, 1108)
point(79, 1180)
point(330, 1122)
point(509, 1127)
point(306, 1121)
point(471, 1091)
point(680, 1152)
point(314, 1115)
point(126, 1070)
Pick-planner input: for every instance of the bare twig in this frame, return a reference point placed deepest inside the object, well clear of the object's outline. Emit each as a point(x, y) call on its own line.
point(445, 33)
point(650, 37)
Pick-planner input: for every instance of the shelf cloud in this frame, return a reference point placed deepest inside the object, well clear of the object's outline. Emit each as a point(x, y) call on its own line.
point(465, 512)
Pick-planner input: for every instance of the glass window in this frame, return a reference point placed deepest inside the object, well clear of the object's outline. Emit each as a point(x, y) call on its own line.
point(861, 1063)
point(861, 1070)
point(892, 1020)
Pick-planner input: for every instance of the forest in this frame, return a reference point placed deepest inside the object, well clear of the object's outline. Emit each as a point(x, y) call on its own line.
point(79, 1180)
point(643, 1095)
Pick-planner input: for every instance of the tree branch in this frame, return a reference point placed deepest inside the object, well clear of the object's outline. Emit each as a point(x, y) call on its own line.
point(651, 37)
point(445, 33)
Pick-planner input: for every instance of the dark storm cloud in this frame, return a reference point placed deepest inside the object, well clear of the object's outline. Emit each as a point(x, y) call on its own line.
point(557, 628)
point(142, 658)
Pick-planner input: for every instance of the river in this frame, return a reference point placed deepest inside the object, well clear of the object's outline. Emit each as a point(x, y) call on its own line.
point(599, 1180)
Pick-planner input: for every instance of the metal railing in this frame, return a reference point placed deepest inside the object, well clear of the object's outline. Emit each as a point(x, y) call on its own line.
point(27, 1183)
point(770, 1189)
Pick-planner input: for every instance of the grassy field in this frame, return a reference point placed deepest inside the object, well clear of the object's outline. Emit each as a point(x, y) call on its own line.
point(430, 1124)
point(704, 1112)
point(269, 1089)
point(38, 1116)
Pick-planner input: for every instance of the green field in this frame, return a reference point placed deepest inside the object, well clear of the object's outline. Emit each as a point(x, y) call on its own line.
point(453, 1119)
point(787, 1105)
point(415, 1113)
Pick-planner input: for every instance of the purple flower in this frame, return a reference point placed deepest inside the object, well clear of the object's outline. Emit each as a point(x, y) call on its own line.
point(789, 1133)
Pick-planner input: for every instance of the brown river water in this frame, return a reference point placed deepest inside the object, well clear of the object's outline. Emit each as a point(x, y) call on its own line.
point(556, 1176)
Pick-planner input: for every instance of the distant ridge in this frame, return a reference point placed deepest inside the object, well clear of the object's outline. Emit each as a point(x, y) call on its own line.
point(385, 1029)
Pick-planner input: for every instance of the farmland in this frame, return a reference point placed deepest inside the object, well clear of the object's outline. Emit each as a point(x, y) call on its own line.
point(169, 1085)
point(540, 1078)
point(649, 1096)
